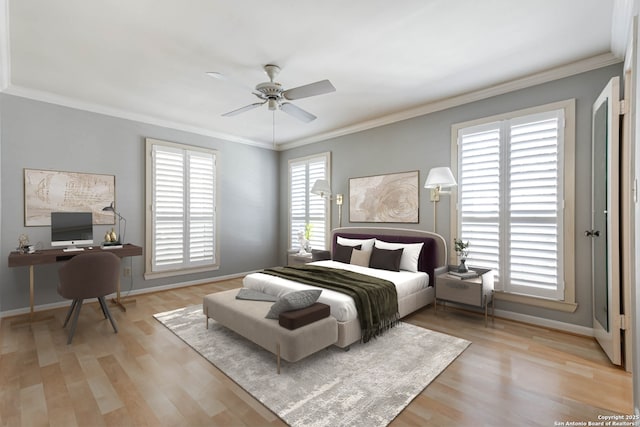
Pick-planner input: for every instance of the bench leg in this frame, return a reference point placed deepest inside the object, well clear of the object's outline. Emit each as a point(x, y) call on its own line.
point(278, 356)
point(206, 316)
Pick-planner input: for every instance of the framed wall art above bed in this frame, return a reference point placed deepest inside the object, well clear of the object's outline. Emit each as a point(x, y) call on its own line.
point(391, 198)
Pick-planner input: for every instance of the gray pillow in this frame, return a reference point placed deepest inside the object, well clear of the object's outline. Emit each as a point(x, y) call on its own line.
point(293, 301)
point(253, 295)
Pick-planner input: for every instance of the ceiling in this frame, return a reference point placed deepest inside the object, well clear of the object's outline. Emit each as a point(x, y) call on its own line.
point(147, 59)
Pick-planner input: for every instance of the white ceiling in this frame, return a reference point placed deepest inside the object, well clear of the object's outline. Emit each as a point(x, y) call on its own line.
point(146, 59)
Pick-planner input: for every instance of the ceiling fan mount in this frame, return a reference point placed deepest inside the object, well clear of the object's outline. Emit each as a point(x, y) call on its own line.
point(270, 90)
point(275, 96)
point(272, 71)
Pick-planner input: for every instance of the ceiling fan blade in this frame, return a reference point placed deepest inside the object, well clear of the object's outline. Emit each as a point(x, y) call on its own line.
point(229, 79)
point(243, 109)
point(297, 112)
point(312, 89)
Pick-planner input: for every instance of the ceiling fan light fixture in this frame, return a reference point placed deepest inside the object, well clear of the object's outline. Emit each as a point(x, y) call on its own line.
point(273, 104)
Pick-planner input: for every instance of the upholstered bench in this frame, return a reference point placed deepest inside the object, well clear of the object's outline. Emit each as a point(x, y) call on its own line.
point(247, 318)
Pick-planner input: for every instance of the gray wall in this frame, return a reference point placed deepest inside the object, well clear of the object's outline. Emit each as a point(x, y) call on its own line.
point(45, 136)
point(424, 142)
point(38, 135)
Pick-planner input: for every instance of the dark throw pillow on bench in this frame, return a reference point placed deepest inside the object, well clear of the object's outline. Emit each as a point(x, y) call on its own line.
point(298, 318)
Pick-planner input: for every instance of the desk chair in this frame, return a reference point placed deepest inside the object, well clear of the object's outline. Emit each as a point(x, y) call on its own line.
point(88, 275)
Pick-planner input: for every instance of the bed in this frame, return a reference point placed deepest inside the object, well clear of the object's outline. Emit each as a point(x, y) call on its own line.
point(414, 288)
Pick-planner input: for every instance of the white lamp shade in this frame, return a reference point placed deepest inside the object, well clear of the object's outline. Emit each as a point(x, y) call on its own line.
point(440, 177)
point(321, 188)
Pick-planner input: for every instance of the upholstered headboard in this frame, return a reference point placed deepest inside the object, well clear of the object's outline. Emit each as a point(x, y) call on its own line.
point(434, 251)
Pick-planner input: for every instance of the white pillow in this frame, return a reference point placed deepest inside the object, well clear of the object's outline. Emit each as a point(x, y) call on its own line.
point(410, 254)
point(367, 244)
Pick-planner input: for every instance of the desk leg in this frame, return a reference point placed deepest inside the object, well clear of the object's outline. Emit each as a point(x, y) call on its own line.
point(31, 292)
point(120, 302)
point(31, 318)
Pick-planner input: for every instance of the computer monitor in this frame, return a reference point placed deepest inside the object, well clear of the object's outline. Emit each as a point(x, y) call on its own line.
point(71, 228)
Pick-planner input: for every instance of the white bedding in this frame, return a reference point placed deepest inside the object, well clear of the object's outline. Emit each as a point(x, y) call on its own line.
point(342, 306)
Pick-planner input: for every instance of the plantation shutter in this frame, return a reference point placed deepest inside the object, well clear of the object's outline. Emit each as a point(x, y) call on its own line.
point(304, 207)
point(299, 193)
point(183, 208)
point(510, 201)
point(168, 208)
point(479, 193)
point(535, 205)
point(317, 205)
point(201, 202)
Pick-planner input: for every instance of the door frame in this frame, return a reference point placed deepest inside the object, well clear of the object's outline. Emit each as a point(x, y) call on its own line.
point(609, 338)
point(628, 206)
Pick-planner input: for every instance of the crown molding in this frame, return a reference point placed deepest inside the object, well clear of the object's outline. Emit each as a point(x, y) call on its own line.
point(567, 70)
point(574, 68)
point(64, 101)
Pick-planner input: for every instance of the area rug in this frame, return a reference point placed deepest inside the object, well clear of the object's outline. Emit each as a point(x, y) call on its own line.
point(369, 385)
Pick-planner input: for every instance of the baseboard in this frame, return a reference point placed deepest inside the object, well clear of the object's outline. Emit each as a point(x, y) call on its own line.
point(546, 323)
point(126, 293)
point(532, 320)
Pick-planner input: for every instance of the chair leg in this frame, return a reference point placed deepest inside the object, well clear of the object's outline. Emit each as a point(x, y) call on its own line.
point(103, 307)
point(73, 305)
point(74, 323)
point(105, 310)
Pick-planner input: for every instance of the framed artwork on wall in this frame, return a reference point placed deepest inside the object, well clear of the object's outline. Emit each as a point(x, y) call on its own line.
point(47, 191)
point(385, 198)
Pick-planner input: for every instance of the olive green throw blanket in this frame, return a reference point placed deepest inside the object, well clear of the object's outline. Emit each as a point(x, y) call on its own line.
point(376, 299)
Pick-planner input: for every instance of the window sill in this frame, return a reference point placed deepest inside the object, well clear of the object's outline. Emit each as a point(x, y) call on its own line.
point(565, 306)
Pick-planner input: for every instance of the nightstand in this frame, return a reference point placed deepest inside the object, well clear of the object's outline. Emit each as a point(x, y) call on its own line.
point(295, 259)
point(476, 291)
point(316, 255)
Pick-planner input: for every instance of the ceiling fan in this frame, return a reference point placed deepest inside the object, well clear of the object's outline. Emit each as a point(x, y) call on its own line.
point(272, 94)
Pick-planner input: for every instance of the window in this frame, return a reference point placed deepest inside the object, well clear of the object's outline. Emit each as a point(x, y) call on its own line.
point(515, 196)
point(181, 221)
point(306, 209)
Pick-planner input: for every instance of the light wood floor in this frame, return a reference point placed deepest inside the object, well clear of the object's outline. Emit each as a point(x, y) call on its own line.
point(512, 374)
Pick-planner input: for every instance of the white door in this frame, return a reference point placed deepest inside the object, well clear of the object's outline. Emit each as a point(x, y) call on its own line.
point(604, 231)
